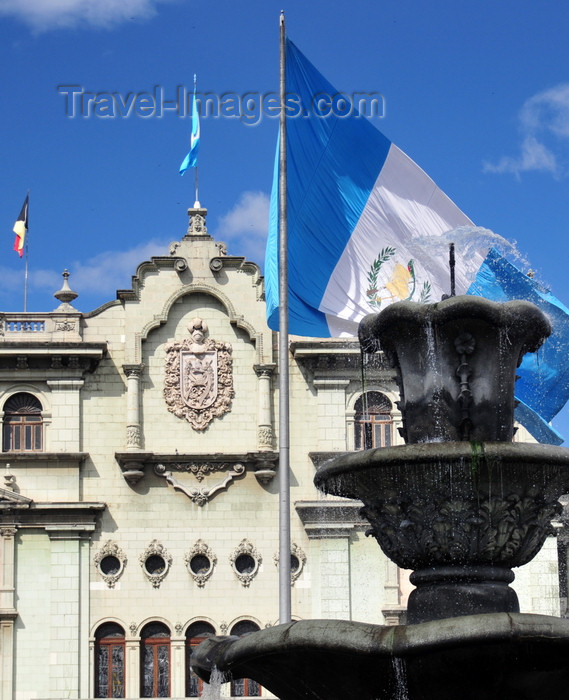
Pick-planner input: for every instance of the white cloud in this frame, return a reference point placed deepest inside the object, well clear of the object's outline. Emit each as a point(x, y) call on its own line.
point(43, 15)
point(96, 280)
point(112, 270)
point(533, 156)
point(245, 226)
point(543, 117)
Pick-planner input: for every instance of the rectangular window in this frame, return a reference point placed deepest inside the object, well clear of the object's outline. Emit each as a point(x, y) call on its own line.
point(156, 669)
point(22, 434)
point(110, 670)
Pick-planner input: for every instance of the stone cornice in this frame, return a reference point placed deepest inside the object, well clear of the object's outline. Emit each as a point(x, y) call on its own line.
point(135, 465)
point(328, 357)
point(53, 516)
point(48, 459)
point(330, 519)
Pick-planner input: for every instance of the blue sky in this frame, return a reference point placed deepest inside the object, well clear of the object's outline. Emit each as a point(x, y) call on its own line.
point(477, 93)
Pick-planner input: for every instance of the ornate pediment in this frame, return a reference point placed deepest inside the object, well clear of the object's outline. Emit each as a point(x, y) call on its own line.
point(198, 382)
point(10, 499)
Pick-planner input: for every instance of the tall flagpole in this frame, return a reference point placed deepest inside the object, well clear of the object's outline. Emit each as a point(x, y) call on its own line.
point(26, 279)
point(284, 425)
point(197, 199)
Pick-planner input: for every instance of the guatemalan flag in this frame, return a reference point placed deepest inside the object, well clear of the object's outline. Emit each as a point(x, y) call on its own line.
point(191, 159)
point(543, 386)
point(366, 226)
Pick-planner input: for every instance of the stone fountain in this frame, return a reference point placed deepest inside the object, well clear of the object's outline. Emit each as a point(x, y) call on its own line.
point(460, 504)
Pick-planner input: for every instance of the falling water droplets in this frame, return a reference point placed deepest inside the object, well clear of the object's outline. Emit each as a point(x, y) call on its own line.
point(432, 380)
point(400, 676)
point(212, 690)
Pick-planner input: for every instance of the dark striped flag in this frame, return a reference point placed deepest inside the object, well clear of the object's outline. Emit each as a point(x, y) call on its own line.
point(21, 228)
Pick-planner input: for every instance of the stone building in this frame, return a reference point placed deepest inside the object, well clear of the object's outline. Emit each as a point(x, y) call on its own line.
point(139, 500)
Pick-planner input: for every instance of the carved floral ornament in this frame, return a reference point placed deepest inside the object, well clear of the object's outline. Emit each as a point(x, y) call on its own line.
point(110, 561)
point(200, 561)
point(198, 382)
point(155, 562)
point(297, 561)
point(245, 561)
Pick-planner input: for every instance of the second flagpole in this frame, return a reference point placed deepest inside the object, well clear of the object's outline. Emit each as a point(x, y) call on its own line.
point(284, 421)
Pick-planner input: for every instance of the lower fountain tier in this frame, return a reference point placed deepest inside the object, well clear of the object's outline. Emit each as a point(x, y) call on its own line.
point(459, 514)
point(499, 656)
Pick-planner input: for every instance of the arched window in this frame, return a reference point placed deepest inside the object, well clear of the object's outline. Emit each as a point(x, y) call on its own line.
point(23, 431)
point(155, 661)
point(195, 634)
point(109, 661)
point(245, 687)
point(373, 424)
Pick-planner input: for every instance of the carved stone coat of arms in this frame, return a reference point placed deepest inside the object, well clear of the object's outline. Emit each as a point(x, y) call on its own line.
point(198, 383)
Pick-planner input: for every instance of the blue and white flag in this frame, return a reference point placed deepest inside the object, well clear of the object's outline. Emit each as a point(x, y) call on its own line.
point(191, 160)
point(366, 226)
point(543, 386)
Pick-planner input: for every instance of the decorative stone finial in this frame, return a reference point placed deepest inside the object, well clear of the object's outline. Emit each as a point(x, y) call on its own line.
point(65, 295)
point(197, 225)
point(9, 479)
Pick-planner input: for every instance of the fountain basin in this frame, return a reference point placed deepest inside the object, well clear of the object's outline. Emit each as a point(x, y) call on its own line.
point(456, 362)
point(459, 514)
point(503, 656)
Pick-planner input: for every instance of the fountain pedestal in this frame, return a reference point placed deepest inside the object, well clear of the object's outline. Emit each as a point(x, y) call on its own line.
point(459, 504)
point(460, 515)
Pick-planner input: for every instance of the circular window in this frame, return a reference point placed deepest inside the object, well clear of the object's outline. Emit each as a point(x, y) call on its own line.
point(110, 565)
point(200, 564)
point(294, 563)
point(155, 565)
point(245, 564)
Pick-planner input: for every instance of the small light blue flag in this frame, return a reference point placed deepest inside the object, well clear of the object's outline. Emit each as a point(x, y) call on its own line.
point(543, 386)
point(191, 160)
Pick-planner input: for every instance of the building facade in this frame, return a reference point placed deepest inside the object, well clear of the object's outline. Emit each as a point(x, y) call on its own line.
point(139, 503)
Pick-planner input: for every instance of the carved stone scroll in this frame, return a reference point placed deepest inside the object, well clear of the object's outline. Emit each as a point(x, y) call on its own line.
point(200, 495)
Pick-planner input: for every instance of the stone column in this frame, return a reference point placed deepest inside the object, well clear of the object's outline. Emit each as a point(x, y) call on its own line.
point(265, 430)
point(178, 665)
point(132, 664)
point(133, 427)
point(329, 534)
point(68, 630)
point(392, 609)
point(7, 611)
point(64, 614)
point(84, 622)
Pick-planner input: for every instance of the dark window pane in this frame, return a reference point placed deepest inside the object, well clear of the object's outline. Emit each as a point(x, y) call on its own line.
point(163, 671)
point(372, 421)
point(109, 661)
point(147, 689)
point(155, 666)
point(103, 672)
point(118, 671)
point(238, 687)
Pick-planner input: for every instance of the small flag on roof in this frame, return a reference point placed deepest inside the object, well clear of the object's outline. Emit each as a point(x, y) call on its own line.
point(21, 228)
